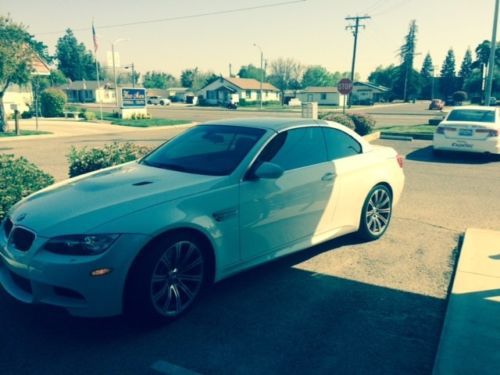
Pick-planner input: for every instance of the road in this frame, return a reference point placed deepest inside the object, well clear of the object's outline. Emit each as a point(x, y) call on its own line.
point(385, 115)
point(340, 307)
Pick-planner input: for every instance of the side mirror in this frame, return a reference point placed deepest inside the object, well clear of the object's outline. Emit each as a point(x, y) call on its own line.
point(269, 170)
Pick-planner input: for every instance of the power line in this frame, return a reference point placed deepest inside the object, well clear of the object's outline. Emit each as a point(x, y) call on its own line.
point(355, 30)
point(199, 15)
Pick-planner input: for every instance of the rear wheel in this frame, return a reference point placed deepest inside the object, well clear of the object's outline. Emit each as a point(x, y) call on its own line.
point(168, 279)
point(376, 213)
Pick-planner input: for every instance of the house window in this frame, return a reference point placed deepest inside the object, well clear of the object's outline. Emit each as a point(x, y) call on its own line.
point(211, 95)
point(323, 96)
point(248, 93)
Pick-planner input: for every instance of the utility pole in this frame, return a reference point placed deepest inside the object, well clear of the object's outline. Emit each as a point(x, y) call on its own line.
point(261, 71)
point(355, 30)
point(491, 63)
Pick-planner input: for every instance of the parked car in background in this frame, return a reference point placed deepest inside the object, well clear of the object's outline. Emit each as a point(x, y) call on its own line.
point(157, 100)
point(471, 129)
point(146, 237)
point(436, 104)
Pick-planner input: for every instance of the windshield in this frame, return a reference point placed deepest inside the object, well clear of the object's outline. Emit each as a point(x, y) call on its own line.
point(471, 115)
point(213, 150)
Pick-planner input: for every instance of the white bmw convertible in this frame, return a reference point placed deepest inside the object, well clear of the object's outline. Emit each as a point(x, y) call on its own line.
point(146, 237)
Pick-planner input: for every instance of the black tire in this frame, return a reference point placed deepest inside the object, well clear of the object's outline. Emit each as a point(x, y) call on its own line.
point(376, 213)
point(167, 278)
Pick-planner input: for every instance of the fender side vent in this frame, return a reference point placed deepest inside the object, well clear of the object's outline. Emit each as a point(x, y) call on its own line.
point(142, 183)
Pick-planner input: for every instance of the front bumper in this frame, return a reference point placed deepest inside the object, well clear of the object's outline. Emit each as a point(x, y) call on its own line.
point(489, 145)
point(38, 276)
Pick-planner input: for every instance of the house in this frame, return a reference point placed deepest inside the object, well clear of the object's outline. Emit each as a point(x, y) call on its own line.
point(22, 96)
point(322, 95)
point(89, 92)
point(176, 94)
point(225, 89)
point(368, 93)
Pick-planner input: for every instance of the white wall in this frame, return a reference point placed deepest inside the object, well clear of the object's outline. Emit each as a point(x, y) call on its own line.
point(22, 97)
point(332, 98)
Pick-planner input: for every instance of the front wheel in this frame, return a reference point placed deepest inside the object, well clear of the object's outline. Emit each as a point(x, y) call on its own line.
point(168, 279)
point(376, 213)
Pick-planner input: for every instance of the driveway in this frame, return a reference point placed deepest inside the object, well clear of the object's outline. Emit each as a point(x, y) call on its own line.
point(340, 307)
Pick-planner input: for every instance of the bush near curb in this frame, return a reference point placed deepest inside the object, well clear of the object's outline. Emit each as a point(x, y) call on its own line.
point(89, 116)
point(18, 179)
point(53, 102)
point(87, 160)
point(338, 117)
point(364, 124)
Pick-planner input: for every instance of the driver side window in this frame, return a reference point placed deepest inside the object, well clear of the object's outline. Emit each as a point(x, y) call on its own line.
point(295, 148)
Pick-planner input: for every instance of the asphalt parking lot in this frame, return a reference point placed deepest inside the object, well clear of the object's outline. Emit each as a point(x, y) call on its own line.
point(340, 307)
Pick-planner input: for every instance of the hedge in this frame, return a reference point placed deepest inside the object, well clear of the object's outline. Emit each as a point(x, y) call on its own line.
point(87, 160)
point(18, 179)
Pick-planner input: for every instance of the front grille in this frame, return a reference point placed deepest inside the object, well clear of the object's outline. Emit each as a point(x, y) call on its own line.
point(7, 226)
point(22, 239)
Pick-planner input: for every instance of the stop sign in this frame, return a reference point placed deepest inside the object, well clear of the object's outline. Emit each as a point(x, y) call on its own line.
point(345, 86)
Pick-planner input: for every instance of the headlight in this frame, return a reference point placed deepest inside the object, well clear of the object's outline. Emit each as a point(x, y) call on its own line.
point(81, 244)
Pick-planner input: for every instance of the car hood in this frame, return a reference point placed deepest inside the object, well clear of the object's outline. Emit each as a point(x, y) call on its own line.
point(80, 204)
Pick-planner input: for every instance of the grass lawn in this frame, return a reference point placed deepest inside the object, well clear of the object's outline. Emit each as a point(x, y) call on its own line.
point(23, 132)
point(422, 129)
point(142, 123)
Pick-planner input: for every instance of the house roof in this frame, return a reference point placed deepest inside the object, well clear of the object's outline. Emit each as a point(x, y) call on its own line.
point(39, 66)
point(372, 85)
point(320, 90)
point(250, 84)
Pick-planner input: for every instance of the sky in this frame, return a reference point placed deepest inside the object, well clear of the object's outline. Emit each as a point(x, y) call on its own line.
point(173, 35)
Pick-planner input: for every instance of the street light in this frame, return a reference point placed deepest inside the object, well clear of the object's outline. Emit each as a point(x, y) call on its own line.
point(116, 41)
point(261, 71)
point(131, 66)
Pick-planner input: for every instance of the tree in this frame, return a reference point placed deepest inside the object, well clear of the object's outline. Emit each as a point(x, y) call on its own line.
point(187, 77)
point(74, 60)
point(385, 77)
point(201, 79)
point(447, 82)
point(466, 67)
point(407, 83)
point(250, 71)
point(318, 76)
point(427, 78)
point(159, 80)
point(17, 48)
point(285, 74)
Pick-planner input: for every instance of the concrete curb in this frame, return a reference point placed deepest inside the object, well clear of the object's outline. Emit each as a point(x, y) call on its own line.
point(470, 337)
point(425, 137)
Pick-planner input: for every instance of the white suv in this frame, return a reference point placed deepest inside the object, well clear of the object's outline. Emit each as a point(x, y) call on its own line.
point(158, 100)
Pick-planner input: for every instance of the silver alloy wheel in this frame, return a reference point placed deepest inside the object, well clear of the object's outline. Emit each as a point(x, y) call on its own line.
point(378, 211)
point(177, 278)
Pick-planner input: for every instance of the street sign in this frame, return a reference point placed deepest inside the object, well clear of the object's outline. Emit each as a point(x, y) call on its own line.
point(345, 86)
point(132, 97)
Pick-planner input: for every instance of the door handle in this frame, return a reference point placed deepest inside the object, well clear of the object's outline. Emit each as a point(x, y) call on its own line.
point(328, 177)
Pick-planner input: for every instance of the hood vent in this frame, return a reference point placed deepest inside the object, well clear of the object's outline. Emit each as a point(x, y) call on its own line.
point(142, 183)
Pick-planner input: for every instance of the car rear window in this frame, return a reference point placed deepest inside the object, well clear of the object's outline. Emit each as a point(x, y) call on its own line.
point(471, 115)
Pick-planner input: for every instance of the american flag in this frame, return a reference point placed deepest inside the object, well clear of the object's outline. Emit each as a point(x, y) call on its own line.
point(94, 37)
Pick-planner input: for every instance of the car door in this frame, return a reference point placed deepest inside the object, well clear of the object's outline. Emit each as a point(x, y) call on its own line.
point(275, 213)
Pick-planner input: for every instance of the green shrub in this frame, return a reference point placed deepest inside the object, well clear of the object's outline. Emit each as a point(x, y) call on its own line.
point(89, 116)
point(459, 96)
point(26, 115)
point(18, 179)
point(53, 102)
point(363, 124)
point(338, 117)
point(87, 160)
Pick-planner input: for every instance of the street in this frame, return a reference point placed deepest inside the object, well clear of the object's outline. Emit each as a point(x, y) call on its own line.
point(385, 115)
point(343, 306)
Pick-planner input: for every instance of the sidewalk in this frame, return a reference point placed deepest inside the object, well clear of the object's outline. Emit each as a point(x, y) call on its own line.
point(470, 340)
point(70, 128)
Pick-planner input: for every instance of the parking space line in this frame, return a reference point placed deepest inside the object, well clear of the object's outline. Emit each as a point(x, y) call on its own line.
point(167, 368)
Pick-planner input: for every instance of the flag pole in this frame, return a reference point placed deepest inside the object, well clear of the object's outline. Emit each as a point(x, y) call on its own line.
point(96, 67)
